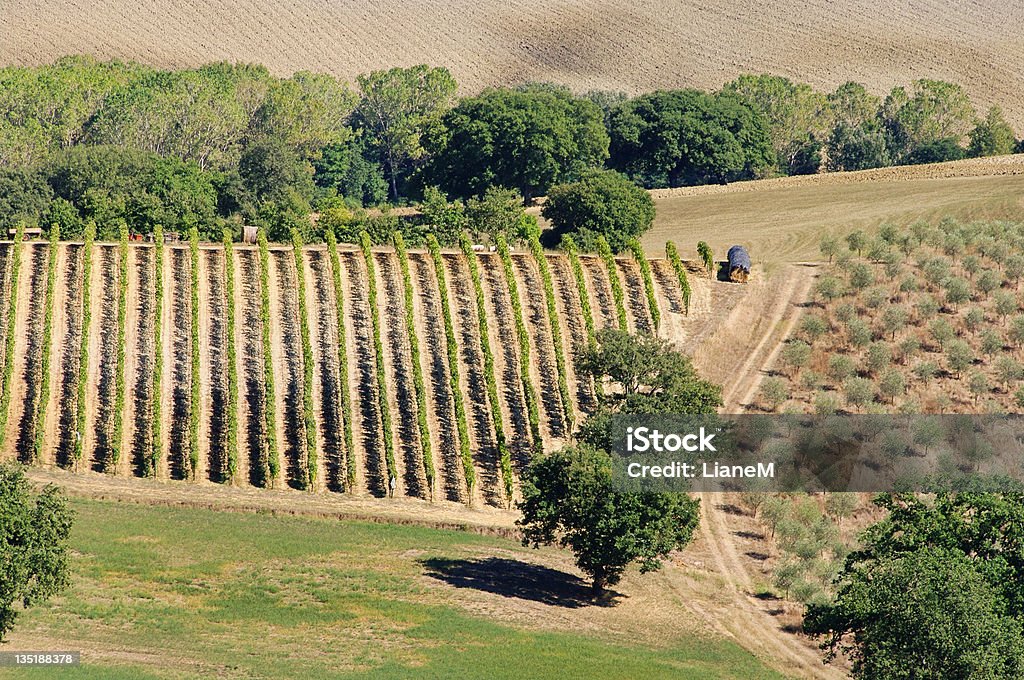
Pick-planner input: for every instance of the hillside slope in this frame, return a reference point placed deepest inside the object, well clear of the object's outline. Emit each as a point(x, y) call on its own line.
point(584, 44)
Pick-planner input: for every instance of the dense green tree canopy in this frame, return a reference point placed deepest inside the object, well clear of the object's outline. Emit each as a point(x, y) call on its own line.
point(603, 202)
point(992, 136)
point(527, 139)
point(34, 530)
point(936, 591)
point(679, 137)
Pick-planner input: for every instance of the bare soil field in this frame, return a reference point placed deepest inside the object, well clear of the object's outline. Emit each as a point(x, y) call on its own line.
point(583, 44)
point(783, 220)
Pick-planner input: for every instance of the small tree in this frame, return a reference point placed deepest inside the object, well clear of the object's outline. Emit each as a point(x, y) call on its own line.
point(857, 240)
point(894, 319)
point(1006, 304)
point(774, 392)
point(991, 342)
point(569, 499)
point(988, 281)
point(603, 202)
point(892, 384)
point(958, 291)
point(859, 391)
point(796, 354)
point(840, 367)
point(879, 356)
point(978, 385)
point(34, 530)
point(813, 327)
point(1008, 371)
point(925, 371)
point(958, 356)
point(973, 319)
point(829, 246)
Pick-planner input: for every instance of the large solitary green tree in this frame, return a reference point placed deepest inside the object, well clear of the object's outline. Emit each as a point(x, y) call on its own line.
point(603, 202)
point(34, 530)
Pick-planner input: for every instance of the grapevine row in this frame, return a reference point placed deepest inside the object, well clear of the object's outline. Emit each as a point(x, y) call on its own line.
point(308, 417)
point(417, 369)
point(645, 270)
point(346, 397)
point(378, 349)
point(44, 369)
point(156, 404)
point(453, 366)
point(523, 337)
point(231, 437)
point(680, 270)
point(119, 384)
point(12, 312)
point(556, 331)
point(605, 251)
point(83, 354)
point(269, 415)
point(504, 456)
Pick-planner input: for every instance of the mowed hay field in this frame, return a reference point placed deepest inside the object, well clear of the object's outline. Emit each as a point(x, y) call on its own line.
point(190, 593)
point(783, 220)
point(584, 44)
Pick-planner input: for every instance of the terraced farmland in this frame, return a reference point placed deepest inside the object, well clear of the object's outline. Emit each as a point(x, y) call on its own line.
point(208, 408)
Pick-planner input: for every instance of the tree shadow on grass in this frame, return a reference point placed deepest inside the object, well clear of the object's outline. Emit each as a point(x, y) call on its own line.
point(521, 580)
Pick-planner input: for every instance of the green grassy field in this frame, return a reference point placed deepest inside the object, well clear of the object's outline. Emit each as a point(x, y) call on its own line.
point(188, 593)
point(782, 223)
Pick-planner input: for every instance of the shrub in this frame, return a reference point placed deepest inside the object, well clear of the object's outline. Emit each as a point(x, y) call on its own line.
point(156, 400)
point(706, 257)
point(645, 271)
point(523, 338)
point(418, 383)
point(556, 331)
point(453, 366)
point(613, 278)
point(117, 430)
point(308, 417)
point(346, 397)
point(269, 401)
point(378, 352)
point(684, 282)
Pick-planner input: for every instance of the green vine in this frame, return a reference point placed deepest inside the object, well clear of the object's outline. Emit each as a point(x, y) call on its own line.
point(193, 412)
point(346, 398)
point(572, 252)
point(308, 415)
point(378, 349)
point(44, 366)
point(231, 436)
point(680, 270)
point(706, 257)
point(83, 351)
point(417, 369)
point(605, 251)
point(12, 317)
point(523, 337)
point(119, 381)
point(156, 400)
point(453, 367)
point(504, 456)
point(645, 271)
point(556, 331)
point(269, 413)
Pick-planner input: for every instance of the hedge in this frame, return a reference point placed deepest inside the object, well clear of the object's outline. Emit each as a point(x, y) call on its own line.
point(556, 330)
point(308, 414)
point(523, 337)
point(44, 366)
point(269, 404)
point(156, 400)
point(83, 351)
point(346, 397)
point(645, 271)
point(677, 265)
point(231, 436)
point(193, 411)
point(605, 251)
point(378, 350)
point(117, 433)
point(504, 456)
point(12, 317)
point(418, 382)
point(453, 367)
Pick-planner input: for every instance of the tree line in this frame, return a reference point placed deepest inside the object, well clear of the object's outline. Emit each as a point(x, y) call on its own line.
point(225, 144)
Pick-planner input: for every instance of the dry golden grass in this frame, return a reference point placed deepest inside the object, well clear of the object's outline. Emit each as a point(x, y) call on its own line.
point(782, 220)
point(616, 45)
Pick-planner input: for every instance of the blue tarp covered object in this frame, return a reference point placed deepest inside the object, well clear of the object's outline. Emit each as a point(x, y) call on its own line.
point(739, 258)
